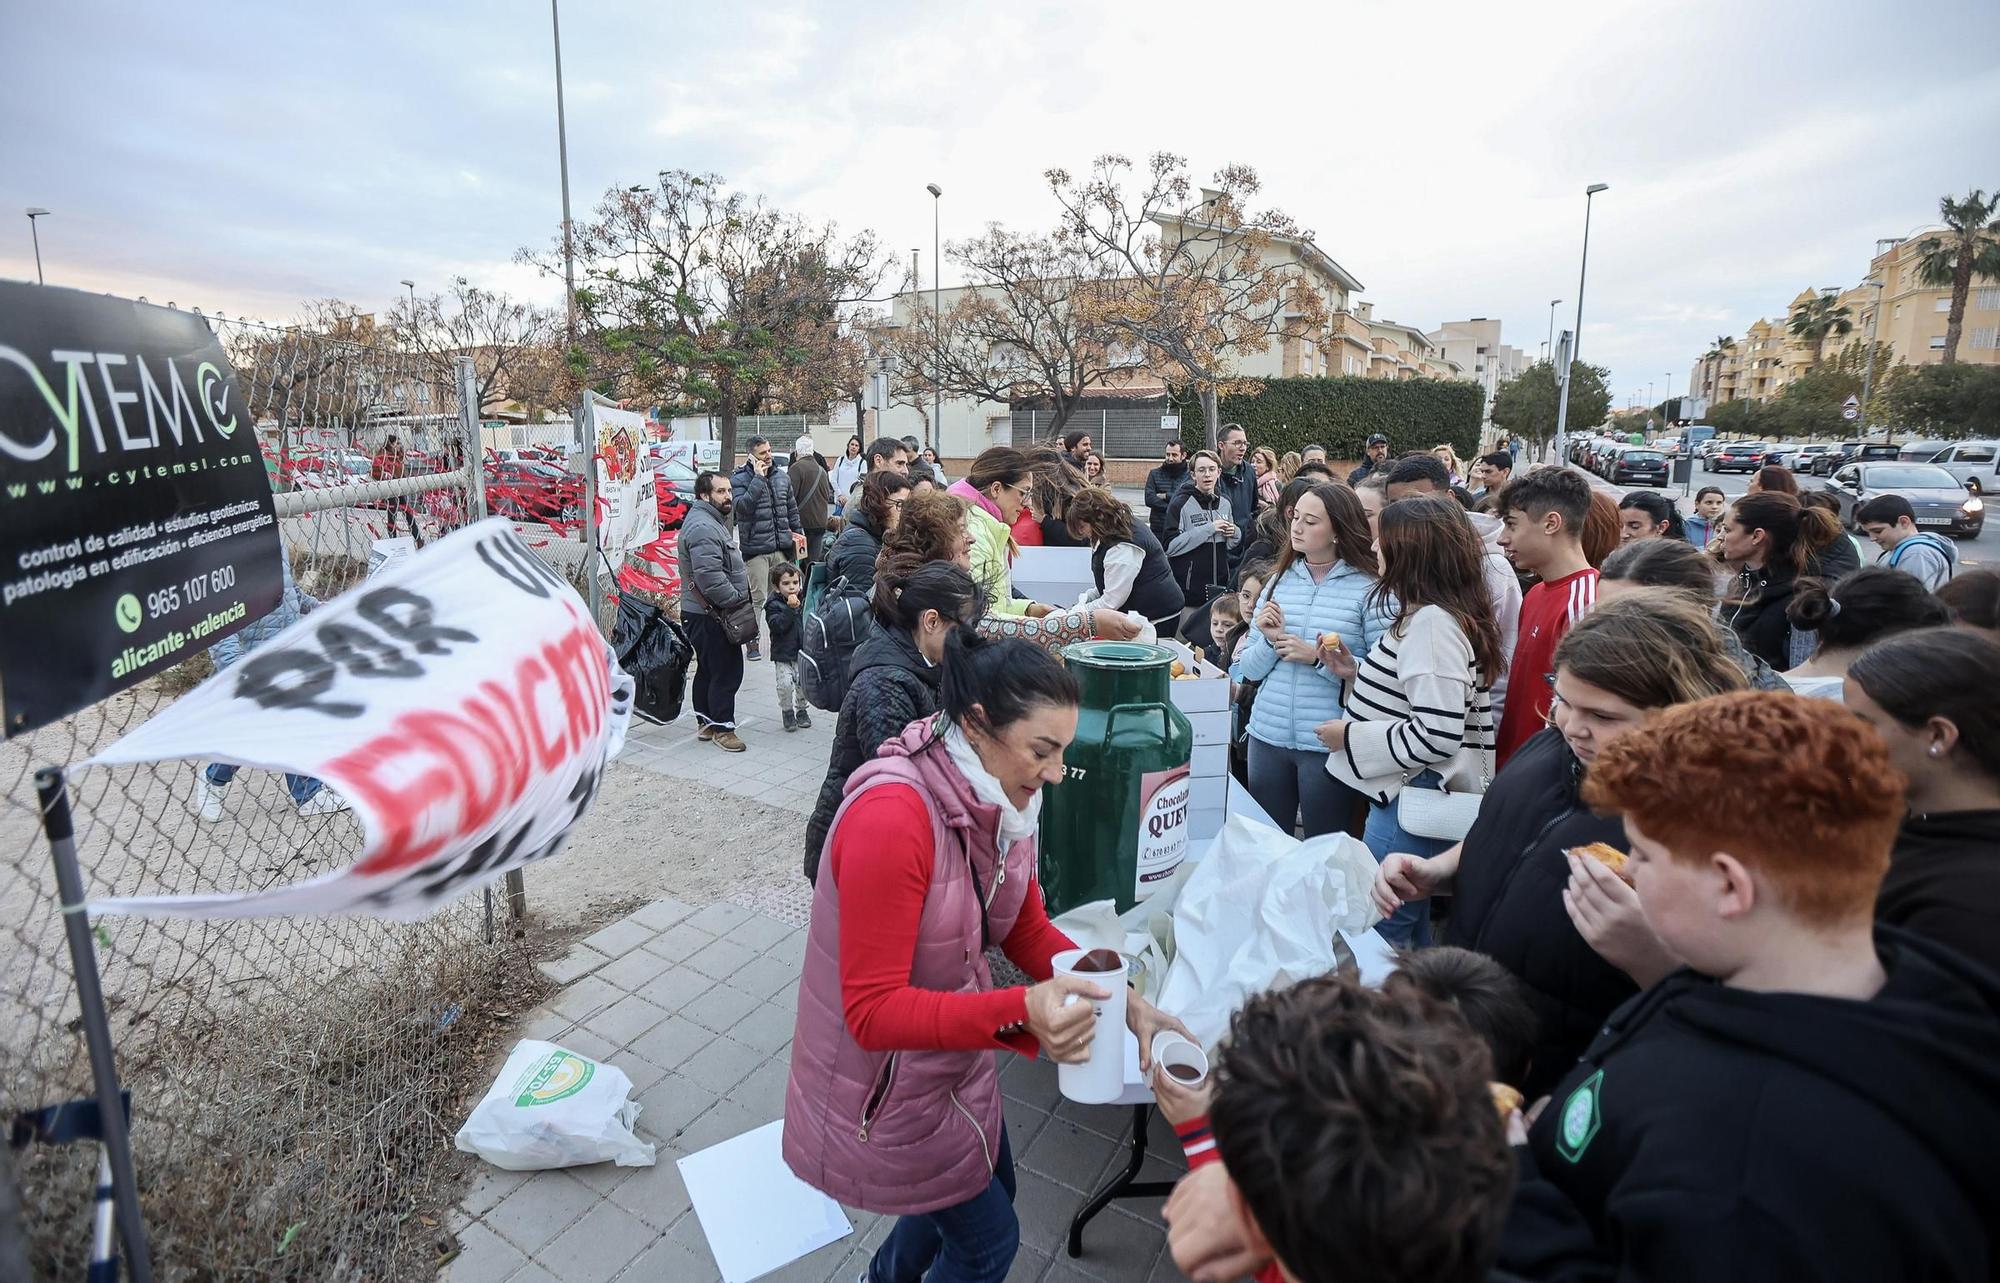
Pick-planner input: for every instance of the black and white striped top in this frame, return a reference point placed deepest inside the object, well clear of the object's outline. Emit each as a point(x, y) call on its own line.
point(1417, 703)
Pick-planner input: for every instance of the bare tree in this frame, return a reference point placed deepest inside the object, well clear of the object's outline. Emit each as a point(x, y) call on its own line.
point(509, 342)
point(1017, 331)
point(699, 296)
point(1189, 274)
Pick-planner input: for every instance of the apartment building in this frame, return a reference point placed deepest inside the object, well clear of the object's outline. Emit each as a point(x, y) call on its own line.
point(1474, 346)
point(1890, 304)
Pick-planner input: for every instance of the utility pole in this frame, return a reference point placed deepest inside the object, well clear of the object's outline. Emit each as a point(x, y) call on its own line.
point(937, 318)
point(562, 151)
point(1574, 347)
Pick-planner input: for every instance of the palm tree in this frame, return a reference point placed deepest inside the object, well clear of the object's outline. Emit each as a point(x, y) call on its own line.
point(1819, 320)
point(1970, 250)
point(1716, 355)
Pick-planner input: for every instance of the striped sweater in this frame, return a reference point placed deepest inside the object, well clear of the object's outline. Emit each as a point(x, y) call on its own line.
point(1417, 703)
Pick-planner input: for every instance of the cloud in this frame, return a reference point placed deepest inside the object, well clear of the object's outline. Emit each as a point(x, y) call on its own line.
point(260, 155)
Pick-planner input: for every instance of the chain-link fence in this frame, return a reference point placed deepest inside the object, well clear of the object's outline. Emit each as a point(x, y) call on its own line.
point(294, 1081)
point(1117, 432)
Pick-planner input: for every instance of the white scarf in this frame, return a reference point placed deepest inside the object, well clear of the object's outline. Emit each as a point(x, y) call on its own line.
point(1015, 822)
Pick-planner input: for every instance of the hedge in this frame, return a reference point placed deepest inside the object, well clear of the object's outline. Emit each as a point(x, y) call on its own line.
point(1341, 413)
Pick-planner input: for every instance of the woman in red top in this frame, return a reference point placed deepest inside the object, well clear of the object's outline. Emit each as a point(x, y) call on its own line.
point(894, 1100)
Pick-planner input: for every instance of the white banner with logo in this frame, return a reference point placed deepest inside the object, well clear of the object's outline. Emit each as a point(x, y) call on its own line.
point(628, 516)
point(462, 700)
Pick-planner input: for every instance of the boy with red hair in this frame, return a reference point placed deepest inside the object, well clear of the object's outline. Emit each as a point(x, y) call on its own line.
point(1811, 1097)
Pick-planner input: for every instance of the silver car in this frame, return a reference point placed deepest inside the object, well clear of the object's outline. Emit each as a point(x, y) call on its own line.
point(1938, 498)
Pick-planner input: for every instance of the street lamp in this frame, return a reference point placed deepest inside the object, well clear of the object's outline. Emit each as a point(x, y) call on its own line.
point(937, 315)
point(562, 153)
point(35, 212)
point(411, 286)
point(1550, 345)
point(1576, 342)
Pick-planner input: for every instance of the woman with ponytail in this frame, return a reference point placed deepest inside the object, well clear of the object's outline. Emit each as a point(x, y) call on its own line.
point(1850, 616)
point(894, 1100)
point(1768, 539)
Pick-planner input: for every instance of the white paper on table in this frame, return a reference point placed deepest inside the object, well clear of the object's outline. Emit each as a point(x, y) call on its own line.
point(757, 1216)
point(1374, 957)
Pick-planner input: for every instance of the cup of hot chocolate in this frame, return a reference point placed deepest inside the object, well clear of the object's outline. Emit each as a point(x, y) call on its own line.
point(1099, 1079)
point(1175, 1055)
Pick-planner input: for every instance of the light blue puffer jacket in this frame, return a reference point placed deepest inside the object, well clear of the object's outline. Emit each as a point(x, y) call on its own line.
point(1295, 698)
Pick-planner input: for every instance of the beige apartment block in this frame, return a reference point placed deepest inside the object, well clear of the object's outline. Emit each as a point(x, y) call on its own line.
point(1904, 313)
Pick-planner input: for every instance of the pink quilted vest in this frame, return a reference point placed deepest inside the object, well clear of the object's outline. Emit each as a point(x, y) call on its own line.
point(913, 1130)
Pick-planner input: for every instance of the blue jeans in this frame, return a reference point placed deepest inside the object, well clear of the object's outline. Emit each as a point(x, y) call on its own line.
point(1410, 926)
point(302, 786)
point(1292, 783)
point(973, 1242)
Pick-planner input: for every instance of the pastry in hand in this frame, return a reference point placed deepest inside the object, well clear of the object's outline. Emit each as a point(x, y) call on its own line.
point(1505, 1099)
point(1607, 855)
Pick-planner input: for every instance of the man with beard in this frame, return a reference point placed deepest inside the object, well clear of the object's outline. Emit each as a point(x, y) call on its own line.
point(717, 582)
point(1161, 484)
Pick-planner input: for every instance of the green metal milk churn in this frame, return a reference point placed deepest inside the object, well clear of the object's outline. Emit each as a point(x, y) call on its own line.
point(1116, 827)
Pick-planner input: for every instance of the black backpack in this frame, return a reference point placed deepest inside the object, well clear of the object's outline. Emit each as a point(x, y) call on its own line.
point(835, 628)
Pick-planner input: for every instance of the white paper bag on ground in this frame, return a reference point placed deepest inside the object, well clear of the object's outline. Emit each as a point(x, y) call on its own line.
point(553, 1108)
point(1261, 912)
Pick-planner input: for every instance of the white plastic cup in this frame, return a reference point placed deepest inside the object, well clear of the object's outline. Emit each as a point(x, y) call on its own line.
point(1100, 1079)
point(1171, 1049)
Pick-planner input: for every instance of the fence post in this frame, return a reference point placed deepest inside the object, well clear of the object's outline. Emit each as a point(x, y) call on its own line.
point(56, 823)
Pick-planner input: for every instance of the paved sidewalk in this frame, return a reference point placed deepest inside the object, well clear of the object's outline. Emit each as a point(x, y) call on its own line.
point(696, 1005)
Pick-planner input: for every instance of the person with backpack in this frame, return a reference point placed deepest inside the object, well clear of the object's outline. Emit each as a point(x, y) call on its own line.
point(850, 559)
point(1891, 522)
point(894, 677)
point(812, 488)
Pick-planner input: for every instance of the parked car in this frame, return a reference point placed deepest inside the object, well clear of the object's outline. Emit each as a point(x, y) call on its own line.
point(673, 491)
point(1737, 456)
point(522, 491)
point(1922, 450)
point(318, 471)
point(1638, 466)
point(1847, 452)
point(1974, 464)
point(1939, 498)
point(1800, 458)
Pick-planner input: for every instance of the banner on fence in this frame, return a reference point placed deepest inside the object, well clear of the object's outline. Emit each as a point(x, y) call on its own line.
point(464, 702)
point(628, 517)
point(136, 523)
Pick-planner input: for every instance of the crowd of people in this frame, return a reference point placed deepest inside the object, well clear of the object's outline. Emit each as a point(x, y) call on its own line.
point(1685, 821)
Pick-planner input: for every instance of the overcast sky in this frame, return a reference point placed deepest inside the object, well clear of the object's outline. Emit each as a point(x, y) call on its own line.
point(245, 157)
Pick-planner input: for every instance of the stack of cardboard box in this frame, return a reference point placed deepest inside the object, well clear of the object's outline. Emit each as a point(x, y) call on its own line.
point(1204, 699)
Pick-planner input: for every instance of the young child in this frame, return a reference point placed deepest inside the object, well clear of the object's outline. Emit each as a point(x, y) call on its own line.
point(1484, 994)
point(1250, 580)
point(1350, 1134)
point(1541, 515)
point(1812, 1096)
point(783, 611)
point(1706, 523)
point(1225, 621)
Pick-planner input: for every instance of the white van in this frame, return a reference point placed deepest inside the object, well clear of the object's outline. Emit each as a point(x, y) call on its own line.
point(1976, 463)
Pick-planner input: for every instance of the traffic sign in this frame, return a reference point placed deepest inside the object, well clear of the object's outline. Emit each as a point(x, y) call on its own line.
point(1850, 413)
point(1852, 402)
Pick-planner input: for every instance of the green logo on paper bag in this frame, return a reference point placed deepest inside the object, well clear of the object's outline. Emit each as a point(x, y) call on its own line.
point(1582, 1115)
point(555, 1076)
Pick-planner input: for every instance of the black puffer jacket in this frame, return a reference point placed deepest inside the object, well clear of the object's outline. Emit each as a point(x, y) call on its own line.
point(852, 555)
point(1508, 901)
point(766, 514)
point(893, 685)
point(1756, 613)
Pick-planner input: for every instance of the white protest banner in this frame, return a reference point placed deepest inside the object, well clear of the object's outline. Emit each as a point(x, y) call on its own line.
point(628, 515)
point(462, 700)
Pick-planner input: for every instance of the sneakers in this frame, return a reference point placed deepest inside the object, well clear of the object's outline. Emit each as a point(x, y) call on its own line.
point(728, 742)
point(753, 652)
point(805, 721)
point(706, 733)
point(207, 797)
point(791, 720)
point(325, 802)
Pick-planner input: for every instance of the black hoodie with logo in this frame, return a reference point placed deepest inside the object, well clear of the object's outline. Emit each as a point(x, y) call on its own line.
point(1718, 1134)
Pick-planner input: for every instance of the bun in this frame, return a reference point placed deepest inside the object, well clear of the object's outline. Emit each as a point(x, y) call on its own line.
point(1812, 605)
point(1607, 855)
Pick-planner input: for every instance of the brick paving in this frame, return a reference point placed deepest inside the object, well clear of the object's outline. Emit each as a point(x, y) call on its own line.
point(695, 1004)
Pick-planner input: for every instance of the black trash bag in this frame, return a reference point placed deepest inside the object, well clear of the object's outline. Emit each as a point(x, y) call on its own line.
point(654, 650)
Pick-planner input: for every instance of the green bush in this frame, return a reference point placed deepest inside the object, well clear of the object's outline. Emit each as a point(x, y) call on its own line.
point(1341, 413)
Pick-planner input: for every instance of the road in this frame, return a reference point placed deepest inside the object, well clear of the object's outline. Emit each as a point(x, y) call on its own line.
point(1985, 550)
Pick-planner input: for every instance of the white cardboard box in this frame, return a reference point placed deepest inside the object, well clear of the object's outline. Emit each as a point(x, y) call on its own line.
point(1209, 728)
point(1209, 760)
point(1204, 824)
point(1208, 793)
point(1206, 693)
point(1053, 576)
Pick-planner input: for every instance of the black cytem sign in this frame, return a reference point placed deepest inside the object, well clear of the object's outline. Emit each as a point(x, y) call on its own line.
point(136, 526)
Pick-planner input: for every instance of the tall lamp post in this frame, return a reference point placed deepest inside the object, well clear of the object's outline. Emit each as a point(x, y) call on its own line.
point(1550, 346)
point(1868, 358)
point(1576, 342)
point(562, 153)
point(35, 212)
point(931, 437)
